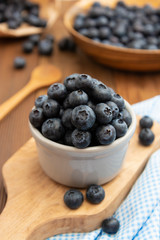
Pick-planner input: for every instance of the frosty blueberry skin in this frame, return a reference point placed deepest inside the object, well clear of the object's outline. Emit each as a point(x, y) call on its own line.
point(110, 225)
point(73, 198)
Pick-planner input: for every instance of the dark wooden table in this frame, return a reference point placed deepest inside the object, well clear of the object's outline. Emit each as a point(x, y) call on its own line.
point(14, 131)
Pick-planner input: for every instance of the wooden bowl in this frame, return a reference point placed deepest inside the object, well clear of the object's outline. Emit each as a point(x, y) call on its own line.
point(116, 57)
point(47, 12)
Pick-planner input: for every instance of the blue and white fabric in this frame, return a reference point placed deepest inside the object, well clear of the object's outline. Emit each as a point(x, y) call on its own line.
point(139, 214)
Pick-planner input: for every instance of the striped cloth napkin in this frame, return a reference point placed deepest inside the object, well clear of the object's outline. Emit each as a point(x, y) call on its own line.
point(139, 214)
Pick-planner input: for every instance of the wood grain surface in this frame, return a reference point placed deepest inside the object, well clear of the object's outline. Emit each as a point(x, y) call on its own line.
point(134, 87)
point(35, 202)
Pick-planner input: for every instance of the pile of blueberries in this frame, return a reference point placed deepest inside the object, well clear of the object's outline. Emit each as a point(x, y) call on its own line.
point(16, 12)
point(146, 136)
point(123, 26)
point(81, 112)
point(95, 194)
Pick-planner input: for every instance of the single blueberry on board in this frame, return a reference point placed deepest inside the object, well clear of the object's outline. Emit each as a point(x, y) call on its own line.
point(95, 194)
point(73, 198)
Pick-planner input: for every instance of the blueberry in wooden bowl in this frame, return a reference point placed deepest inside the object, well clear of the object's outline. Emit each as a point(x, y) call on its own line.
point(123, 35)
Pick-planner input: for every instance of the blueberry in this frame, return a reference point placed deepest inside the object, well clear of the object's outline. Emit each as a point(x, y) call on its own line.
point(101, 21)
point(114, 109)
point(83, 117)
point(146, 122)
point(27, 47)
point(110, 225)
point(101, 93)
point(34, 38)
point(68, 138)
point(127, 117)
point(96, 4)
point(116, 98)
point(120, 126)
point(45, 47)
point(106, 134)
point(95, 194)
point(79, 24)
point(71, 81)
point(66, 44)
point(36, 117)
point(51, 108)
point(19, 62)
point(53, 129)
point(81, 139)
point(93, 32)
point(146, 136)
point(95, 12)
point(33, 20)
point(78, 97)
point(84, 81)
point(50, 38)
point(84, 32)
point(57, 91)
point(90, 22)
point(104, 32)
point(13, 24)
point(137, 44)
point(120, 30)
point(40, 100)
point(42, 23)
point(91, 105)
point(103, 113)
point(66, 118)
point(73, 198)
point(66, 103)
point(151, 47)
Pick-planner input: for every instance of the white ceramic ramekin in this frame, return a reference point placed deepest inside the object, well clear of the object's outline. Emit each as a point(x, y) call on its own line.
point(75, 167)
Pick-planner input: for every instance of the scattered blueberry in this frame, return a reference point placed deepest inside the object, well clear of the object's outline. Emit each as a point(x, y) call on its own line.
point(146, 122)
point(81, 139)
point(19, 62)
point(27, 47)
point(110, 225)
point(66, 44)
point(95, 194)
point(73, 198)
point(35, 38)
point(45, 47)
point(146, 136)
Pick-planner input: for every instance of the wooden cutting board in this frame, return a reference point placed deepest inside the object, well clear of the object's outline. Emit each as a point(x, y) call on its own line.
point(35, 209)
